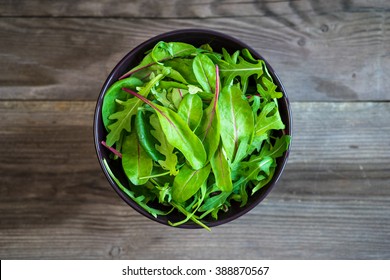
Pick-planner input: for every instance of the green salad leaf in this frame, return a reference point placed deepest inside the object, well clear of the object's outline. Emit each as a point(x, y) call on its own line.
point(178, 133)
point(191, 110)
point(136, 162)
point(237, 119)
point(208, 130)
point(230, 69)
point(170, 162)
point(122, 119)
point(188, 181)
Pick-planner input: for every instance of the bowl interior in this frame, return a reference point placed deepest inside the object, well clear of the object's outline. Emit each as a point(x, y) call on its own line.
point(196, 37)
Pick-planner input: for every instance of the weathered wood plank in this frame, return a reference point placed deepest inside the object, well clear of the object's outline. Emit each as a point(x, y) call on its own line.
point(181, 9)
point(333, 201)
point(340, 56)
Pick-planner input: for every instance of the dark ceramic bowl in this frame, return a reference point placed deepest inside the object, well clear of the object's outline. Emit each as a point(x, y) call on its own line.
point(196, 37)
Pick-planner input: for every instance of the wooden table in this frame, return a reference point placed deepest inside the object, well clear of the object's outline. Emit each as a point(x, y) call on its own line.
point(332, 202)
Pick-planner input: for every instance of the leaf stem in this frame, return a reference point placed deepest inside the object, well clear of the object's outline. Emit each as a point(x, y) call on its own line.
point(147, 101)
point(143, 99)
point(217, 82)
point(111, 149)
point(131, 72)
point(154, 176)
point(188, 217)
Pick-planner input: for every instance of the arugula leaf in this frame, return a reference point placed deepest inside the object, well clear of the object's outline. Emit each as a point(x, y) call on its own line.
point(121, 121)
point(189, 216)
point(248, 56)
point(232, 59)
point(243, 195)
point(123, 117)
point(250, 170)
point(164, 148)
point(261, 183)
point(176, 95)
point(154, 212)
point(268, 119)
point(114, 92)
point(196, 203)
point(257, 143)
point(269, 151)
point(243, 69)
point(161, 96)
point(266, 87)
point(213, 202)
point(164, 193)
point(277, 149)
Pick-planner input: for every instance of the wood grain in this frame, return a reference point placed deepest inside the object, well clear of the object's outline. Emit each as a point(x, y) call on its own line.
point(333, 200)
point(319, 55)
point(182, 9)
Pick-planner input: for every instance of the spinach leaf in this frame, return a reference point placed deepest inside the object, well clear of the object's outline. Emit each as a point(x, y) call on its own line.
point(191, 111)
point(209, 128)
point(184, 67)
point(172, 84)
point(161, 52)
point(204, 70)
point(145, 138)
point(236, 118)
point(188, 181)
point(221, 170)
point(169, 72)
point(135, 161)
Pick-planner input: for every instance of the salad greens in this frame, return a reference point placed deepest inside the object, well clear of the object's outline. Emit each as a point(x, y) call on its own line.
point(194, 130)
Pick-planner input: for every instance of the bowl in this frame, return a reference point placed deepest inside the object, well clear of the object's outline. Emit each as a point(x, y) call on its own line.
point(196, 37)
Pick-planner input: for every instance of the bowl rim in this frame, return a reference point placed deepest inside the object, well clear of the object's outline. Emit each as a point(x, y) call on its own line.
point(123, 64)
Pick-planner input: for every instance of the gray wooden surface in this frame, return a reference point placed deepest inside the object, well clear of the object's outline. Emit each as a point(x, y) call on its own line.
point(332, 202)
